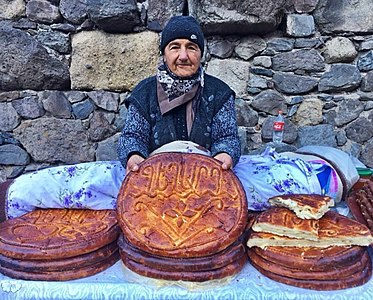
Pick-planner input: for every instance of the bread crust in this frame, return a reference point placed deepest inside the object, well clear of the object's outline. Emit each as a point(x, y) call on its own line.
point(57, 233)
point(50, 265)
point(333, 230)
point(195, 264)
point(63, 275)
point(305, 206)
point(182, 205)
point(282, 221)
point(343, 271)
point(310, 258)
point(356, 279)
point(196, 276)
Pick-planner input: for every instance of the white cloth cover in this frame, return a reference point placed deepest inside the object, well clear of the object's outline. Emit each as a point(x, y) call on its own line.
point(340, 159)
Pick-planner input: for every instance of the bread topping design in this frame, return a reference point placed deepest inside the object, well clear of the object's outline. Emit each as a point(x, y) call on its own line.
point(181, 205)
point(336, 226)
point(58, 244)
point(41, 233)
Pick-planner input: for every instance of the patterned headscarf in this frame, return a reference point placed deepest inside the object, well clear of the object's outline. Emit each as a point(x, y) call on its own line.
point(173, 91)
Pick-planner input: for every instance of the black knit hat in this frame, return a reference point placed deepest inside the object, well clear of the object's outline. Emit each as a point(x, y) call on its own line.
point(182, 27)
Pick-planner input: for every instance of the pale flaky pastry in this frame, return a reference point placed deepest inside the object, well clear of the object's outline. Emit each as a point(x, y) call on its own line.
point(303, 205)
point(334, 230)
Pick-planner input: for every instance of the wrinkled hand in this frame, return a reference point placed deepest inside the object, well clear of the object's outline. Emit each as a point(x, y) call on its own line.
point(225, 159)
point(133, 163)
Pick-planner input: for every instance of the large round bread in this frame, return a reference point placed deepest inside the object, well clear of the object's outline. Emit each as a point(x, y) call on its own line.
point(306, 274)
point(57, 233)
point(49, 265)
point(182, 205)
point(194, 264)
point(197, 276)
point(356, 279)
point(63, 275)
point(311, 258)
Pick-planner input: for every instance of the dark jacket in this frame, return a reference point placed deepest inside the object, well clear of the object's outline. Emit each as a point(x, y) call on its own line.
point(214, 125)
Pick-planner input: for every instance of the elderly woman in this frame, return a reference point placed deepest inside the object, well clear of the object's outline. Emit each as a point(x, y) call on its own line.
point(180, 102)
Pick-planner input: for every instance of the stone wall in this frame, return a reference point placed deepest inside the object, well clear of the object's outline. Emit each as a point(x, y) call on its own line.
point(66, 67)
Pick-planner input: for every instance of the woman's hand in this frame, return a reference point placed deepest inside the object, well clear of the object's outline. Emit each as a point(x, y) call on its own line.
point(133, 163)
point(225, 159)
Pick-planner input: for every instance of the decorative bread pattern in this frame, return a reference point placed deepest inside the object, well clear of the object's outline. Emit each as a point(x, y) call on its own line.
point(335, 227)
point(282, 221)
point(182, 205)
point(57, 233)
point(303, 205)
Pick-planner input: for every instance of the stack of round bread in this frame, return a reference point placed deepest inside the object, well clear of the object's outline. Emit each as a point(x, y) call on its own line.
point(328, 253)
point(183, 218)
point(330, 268)
point(58, 244)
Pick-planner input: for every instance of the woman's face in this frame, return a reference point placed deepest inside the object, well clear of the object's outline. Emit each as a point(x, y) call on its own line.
point(182, 57)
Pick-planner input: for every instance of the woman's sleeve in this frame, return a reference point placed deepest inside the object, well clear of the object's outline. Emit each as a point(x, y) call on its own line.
point(225, 131)
point(134, 138)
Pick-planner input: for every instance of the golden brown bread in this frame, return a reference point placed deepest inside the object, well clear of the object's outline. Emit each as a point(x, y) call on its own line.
point(305, 206)
point(335, 227)
point(361, 276)
point(63, 275)
point(196, 276)
point(343, 271)
point(182, 205)
point(57, 233)
point(311, 258)
point(49, 265)
point(192, 264)
point(334, 230)
point(282, 221)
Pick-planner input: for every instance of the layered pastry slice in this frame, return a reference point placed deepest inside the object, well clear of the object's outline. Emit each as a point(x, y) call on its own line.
point(334, 230)
point(283, 222)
